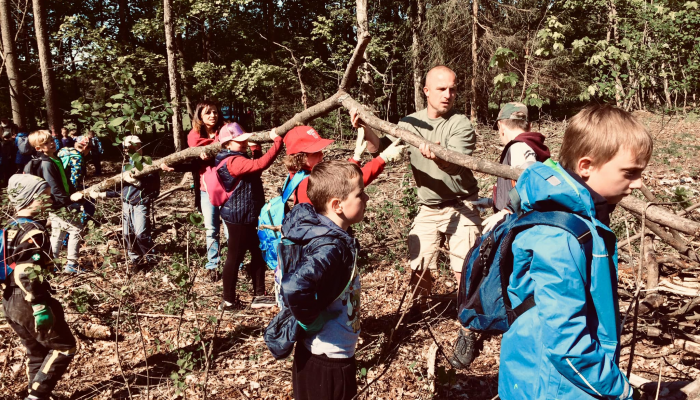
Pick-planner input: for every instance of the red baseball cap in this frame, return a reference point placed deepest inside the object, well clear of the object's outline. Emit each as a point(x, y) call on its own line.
point(304, 139)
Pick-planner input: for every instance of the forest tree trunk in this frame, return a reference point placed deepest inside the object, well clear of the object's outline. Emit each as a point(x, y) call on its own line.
point(417, 16)
point(173, 74)
point(183, 71)
point(11, 66)
point(53, 114)
point(366, 84)
point(475, 59)
point(124, 27)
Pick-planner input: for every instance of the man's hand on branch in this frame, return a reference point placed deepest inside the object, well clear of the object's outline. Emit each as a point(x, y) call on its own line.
point(204, 156)
point(371, 137)
point(273, 134)
point(427, 153)
point(166, 168)
point(360, 144)
point(393, 152)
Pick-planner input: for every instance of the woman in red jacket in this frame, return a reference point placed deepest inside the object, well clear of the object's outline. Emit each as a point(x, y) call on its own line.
point(205, 131)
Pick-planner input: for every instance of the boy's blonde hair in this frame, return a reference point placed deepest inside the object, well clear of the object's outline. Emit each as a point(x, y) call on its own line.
point(39, 138)
point(599, 132)
point(332, 179)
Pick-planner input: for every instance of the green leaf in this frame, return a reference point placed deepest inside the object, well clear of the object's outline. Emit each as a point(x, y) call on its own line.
point(117, 121)
point(136, 157)
point(118, 96)
point(147, 160)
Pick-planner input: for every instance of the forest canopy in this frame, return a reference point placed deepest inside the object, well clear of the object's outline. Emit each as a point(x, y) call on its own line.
point(265, 60)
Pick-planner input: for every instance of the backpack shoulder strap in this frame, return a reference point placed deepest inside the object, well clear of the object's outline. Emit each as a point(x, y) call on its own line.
point(291, 185)
point(559, 219)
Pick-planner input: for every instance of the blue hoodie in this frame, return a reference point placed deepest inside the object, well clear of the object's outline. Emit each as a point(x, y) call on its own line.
point(325, 280)
point(567, 346)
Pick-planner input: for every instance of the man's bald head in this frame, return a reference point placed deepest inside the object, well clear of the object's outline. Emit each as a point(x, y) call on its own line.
point(440, 83)
point(437, 71)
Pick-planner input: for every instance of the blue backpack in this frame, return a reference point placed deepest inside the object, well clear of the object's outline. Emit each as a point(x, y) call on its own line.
point(483, 302)
point(5, 268)
point(272, 214)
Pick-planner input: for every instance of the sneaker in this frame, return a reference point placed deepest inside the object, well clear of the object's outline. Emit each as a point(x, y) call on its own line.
point(226, 306)
point(214, 275)
point(263, 302)
point(463, 354)
point(73, 268)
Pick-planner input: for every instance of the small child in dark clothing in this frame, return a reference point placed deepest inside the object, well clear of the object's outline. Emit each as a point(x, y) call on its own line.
point(323, 293)
point(137, 195)
point(35, 316)
point(241, 177)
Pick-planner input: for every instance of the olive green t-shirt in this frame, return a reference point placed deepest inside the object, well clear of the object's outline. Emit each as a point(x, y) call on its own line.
point(454, 131)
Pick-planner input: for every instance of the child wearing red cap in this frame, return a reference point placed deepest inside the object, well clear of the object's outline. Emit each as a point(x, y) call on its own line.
point(242, 178)
point(304, 151)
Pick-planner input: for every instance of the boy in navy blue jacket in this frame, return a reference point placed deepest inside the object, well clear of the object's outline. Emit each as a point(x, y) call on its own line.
point(323, 293)
point(567, 345)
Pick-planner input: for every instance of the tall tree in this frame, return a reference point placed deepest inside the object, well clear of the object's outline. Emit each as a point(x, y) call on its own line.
point(475, 59)
point(12, 68)
point(183, 75)
point(174, 78)
point(417, 17)
point(53, 114)
point(366, 82)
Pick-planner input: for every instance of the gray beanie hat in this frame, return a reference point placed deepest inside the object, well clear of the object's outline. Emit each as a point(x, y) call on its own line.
point(22, 189)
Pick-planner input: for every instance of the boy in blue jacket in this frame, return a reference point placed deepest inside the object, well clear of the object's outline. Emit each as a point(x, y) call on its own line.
point(567, 345)
point(323, 293)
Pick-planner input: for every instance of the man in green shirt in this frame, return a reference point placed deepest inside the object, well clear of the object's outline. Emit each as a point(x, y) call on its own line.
point(445, 190)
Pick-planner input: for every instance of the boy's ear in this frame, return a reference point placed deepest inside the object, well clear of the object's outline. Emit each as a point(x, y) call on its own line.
point(334, 206)
point(584, 167)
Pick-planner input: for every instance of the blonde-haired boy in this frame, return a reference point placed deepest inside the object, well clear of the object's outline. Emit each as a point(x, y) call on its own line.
point(48, 167)
point(567, 345)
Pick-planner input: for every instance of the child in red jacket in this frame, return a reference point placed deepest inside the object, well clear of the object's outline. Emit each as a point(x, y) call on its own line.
point(305, 150)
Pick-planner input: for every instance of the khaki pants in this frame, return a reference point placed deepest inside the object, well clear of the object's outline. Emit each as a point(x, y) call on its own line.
point(460, 224)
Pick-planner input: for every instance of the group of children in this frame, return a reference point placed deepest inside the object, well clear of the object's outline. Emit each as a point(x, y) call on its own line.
point(565, 347)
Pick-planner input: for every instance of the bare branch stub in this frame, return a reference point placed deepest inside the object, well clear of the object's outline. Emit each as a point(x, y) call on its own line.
point(355, 61)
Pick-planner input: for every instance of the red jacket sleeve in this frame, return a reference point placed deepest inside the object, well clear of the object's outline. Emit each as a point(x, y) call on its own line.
point(300, 195)
point(371, 170)
point(195, 140)
point(238, 166)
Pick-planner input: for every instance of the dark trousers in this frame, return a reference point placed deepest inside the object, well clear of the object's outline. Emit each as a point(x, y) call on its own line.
point(97, 162)
point(317, 377)
point(242, 238)
point(48, 354)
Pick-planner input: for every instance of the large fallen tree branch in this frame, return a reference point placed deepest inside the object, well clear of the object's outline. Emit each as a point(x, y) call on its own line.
point(656, 214)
